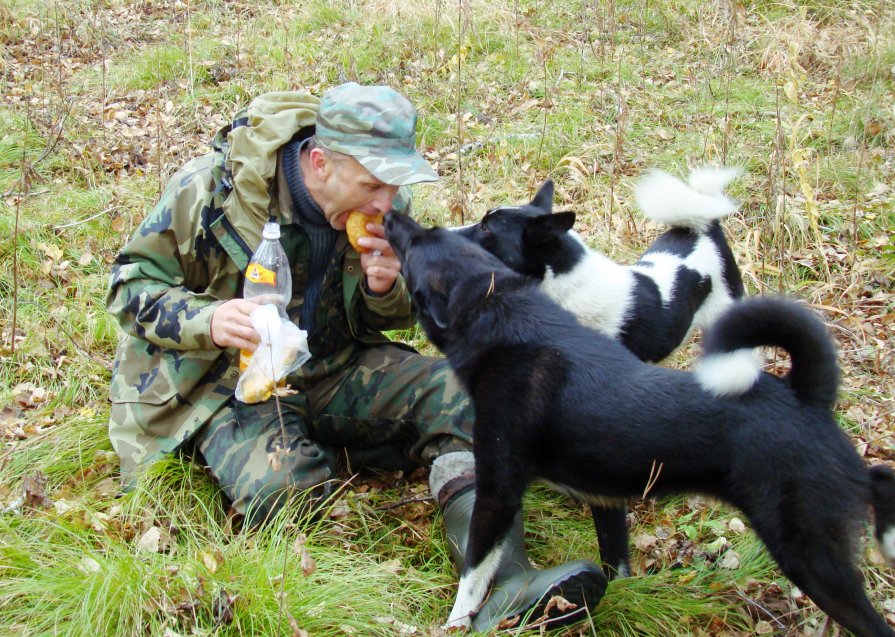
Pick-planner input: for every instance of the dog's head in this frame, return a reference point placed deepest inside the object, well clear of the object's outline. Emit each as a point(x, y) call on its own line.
point(436, 263)
point(520, 236)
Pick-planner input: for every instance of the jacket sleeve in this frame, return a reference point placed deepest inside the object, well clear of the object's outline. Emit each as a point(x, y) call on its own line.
point(159, 284)
point(390, 311)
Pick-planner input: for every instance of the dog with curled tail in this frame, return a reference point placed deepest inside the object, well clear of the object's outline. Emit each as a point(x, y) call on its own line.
point(551, 396)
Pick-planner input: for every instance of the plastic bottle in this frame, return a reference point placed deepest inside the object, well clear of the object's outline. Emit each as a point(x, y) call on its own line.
point(268, 278)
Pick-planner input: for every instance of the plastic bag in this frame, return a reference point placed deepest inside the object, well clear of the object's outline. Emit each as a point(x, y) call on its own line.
point(283, 349)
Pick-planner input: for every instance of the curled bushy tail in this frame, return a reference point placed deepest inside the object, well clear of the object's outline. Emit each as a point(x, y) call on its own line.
point(728, 365)
point(696, 204)
point(882, 483)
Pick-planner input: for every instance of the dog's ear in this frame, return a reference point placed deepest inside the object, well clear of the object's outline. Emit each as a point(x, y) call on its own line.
point(544, 228)
point(544, 198)
point(432, 306)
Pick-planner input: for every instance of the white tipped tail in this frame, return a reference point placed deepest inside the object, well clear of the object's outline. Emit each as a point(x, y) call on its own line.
point(729, 373)
point(887, 545)
point(666, 199)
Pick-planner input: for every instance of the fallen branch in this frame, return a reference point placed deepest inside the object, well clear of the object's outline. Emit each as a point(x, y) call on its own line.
point(90, 218)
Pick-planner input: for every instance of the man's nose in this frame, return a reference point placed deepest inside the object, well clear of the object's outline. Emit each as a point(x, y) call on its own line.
point(383, 200)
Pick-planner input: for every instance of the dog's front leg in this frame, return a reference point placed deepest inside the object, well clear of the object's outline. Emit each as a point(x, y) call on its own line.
point(474, 585)
point(498, 499)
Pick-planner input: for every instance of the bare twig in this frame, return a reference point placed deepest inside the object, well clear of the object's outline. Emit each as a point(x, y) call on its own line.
point(80, 350)
point(653, 478)
point(460, 130)
point(544, 104)
point(158, 136)
point(15, 256)
point(189, 50)
point(58, 126)
point(763, 609)
point(400, 503)
point(727, 75)
point(90, 218)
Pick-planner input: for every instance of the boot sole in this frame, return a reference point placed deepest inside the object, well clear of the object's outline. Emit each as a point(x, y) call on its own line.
point(584, 589)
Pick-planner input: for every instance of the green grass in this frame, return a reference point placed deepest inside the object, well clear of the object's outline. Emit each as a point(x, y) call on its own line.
point(103, 101)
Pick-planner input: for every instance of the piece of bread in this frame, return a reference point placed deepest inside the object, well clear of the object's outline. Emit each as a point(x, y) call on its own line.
point(356, 227)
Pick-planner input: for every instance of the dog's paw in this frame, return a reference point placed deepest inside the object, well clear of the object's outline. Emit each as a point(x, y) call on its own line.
point(458, 624)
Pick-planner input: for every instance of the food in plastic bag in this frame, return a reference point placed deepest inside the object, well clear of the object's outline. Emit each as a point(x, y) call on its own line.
point(282, 350)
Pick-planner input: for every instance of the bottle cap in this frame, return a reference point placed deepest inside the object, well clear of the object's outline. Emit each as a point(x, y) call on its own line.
point(271, 231)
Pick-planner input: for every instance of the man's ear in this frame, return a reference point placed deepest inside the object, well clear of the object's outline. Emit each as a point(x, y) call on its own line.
point(545, 228)
point(320, 164)
point(544, 198)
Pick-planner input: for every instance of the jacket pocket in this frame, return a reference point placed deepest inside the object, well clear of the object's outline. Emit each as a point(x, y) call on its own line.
point(152, 375)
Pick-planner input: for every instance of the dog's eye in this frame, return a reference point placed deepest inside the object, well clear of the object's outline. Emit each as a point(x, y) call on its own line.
point(484, 229)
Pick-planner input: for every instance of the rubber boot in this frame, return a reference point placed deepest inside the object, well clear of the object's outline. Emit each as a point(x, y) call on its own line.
point(519, 589)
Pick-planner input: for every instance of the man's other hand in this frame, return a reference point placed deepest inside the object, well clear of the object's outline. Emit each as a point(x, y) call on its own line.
point(231, 327)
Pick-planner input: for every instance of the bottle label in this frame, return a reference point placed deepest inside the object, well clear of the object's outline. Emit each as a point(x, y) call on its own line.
point(257, 273)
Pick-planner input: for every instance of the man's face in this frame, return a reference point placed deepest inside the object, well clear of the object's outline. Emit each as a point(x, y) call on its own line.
point(347, 186)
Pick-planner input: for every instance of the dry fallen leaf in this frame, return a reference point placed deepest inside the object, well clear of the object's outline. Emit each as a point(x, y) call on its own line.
point(212, 559)
point(645, 541)
point(293, 625)
point(559, 603)
point(29, 395)
point(35, 495)
point(736, 526)
point(308, 564)
point(154, 540)
point(222, 608)
point(88, 565)
point(730, 561)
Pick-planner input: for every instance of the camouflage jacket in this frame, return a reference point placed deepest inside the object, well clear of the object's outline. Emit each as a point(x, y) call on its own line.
point(188, 256)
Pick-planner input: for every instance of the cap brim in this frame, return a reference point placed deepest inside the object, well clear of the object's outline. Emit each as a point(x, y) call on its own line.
point(399, 171)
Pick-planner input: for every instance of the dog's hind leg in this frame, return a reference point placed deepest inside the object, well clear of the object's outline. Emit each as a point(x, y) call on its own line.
point(611, 525)
point(821, 562)
point(883, 492)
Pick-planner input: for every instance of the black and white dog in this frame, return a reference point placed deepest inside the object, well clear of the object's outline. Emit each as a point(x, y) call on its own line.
point(686, 278)
point(557, 401)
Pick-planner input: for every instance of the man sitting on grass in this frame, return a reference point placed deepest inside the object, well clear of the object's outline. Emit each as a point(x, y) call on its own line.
point(361, 400)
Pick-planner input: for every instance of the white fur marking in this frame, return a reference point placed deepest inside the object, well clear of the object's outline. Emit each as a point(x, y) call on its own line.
point(473, 587)
point(662, 268)
point(729, 374)
point(597, 291)
point(705, 259)
point(887, 546)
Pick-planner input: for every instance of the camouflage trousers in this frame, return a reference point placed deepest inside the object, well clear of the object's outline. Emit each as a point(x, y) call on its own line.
point(392, 409)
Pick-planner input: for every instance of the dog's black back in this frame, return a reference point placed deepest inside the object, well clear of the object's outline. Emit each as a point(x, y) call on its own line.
point(559, 402)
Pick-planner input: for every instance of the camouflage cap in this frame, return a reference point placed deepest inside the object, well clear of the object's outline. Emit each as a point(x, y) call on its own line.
point(376, 126)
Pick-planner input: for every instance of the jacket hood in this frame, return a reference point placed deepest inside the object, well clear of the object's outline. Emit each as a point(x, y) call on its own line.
point(270, 121)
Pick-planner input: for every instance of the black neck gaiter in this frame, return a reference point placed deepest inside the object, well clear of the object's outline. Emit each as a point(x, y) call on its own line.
point(321, 236)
